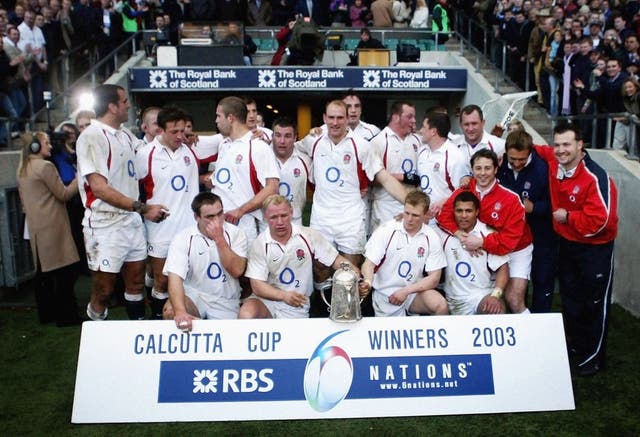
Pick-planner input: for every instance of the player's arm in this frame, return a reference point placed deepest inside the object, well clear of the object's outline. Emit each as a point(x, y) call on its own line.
point(367, 271)
point(494, 303)
point(507, 237)
point(341, 259)
point(392, 185)
point(105, 192)
point(446, 219)
point(233, 263)
point(428, 282)
point(267, 291)
point(270, 187)
point(177, 295)
point(594, 215)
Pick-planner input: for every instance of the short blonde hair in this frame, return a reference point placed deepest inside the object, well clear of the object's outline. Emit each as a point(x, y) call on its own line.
point(274, 199)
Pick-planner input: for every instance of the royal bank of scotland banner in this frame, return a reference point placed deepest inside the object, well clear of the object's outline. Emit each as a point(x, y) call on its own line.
point(317, 369)
point(267, 78)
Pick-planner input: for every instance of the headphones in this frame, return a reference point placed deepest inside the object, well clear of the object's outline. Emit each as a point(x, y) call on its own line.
point(34, 146)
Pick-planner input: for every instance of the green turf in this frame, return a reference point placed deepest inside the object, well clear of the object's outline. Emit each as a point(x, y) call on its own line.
point(37, 376)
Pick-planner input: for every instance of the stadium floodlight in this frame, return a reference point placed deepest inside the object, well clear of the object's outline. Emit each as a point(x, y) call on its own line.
point(85, 100)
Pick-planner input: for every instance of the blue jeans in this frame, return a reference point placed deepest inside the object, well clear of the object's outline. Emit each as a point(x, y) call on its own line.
point(554, 84)
point(8, 110)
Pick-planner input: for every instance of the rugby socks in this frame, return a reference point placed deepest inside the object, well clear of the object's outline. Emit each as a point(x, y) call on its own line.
point(134, 304)
point(96, 316)
point(526, 311)
point(158, 299)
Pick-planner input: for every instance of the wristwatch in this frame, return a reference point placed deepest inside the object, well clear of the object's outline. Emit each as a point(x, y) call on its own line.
point(139, 207)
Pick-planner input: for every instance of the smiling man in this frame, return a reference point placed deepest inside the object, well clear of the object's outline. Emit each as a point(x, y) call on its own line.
point(584, 201)
point(404, 262)
point(168, 173)
point(502, 210)
point(525, 173)
point(474, 284)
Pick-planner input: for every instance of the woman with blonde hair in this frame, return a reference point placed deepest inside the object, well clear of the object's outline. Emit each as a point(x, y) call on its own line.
point(43, 197)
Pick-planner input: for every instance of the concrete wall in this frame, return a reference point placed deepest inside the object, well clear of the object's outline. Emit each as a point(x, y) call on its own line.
point(626, 175)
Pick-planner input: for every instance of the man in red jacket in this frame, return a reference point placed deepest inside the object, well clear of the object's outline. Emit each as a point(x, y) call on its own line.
point(584, 201)
point(502, 210)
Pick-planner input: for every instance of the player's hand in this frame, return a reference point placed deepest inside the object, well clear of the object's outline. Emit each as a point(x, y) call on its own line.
point(528, 206)
point(205, 179)
point(364, 288)
point(464, 181)
point(315, 131)
point(233, 216)
point(471, 242)
point(560, 215)
point(184, 321)
point(215, 230)
point(294, 299)
point(434, 210)
point(497, 130)
point(491, 305)
point(398, 297)
point(156, 213)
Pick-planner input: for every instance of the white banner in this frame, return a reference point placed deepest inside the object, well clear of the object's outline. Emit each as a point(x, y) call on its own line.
point(319, 369)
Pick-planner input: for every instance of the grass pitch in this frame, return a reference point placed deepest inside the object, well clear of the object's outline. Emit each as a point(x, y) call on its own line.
point(38, 366)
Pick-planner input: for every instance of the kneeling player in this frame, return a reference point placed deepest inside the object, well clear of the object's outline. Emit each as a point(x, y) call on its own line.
point(473, 282)
point(400, 252)
point(203, 265)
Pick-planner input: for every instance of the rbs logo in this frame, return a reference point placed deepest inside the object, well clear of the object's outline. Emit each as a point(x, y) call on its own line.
point(232, 381)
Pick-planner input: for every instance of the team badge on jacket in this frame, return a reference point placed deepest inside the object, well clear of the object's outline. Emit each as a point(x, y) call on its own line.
point(300, 254)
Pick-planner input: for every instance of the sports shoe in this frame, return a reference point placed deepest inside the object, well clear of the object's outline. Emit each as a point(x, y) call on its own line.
point(589, 369)
point(96, 316)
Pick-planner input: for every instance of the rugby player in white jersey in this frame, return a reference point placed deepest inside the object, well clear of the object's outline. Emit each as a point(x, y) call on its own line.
point(295, 168)
point(474, 282)
point(342, 171)
point(397, 147)
point(203, 264)
point(404, 262)
point(261, 132)
point(168, 173)
point(441, 165)
point(246, 171)
point(113, 230)
point(474, 136)
point(281, 262)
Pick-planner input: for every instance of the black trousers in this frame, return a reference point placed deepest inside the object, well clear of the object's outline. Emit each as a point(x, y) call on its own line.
point(586, 276)
point(55, 296)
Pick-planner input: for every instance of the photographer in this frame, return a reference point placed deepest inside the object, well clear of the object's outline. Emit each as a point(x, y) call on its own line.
point(63, 153)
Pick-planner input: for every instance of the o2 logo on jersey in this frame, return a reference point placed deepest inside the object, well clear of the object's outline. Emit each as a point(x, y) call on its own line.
point(131, 169)
point(328, 376)
point(407, 166)
point(178, 183)
point(214, 271)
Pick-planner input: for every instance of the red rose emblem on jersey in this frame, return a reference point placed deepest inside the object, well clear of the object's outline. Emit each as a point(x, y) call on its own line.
point(300, 254)
point(420, 252)
point(436, 166)
point(296, 172)
point(346, 159)
point(239, 159)
point(187, 161)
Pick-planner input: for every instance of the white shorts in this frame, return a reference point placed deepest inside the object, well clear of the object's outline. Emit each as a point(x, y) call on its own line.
point(384, 308)
point(109, 248)
point(520, 263)
point(158, 249)
point(350, 240)
point(469, 306)
point(282, 310)
point(213, 307)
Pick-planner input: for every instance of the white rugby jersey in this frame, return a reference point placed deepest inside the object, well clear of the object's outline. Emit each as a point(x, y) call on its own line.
point(289, 267)
point(440, 170)
point(340, 172)
point(242, 170)
point(398, 156)
point(488, 141)
point(469, 276)
point(168, 178)
point(194, 257)
point(206, 149)
point(363, 130)
point(401, 259)
point(295, 172)
point(108, 152)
